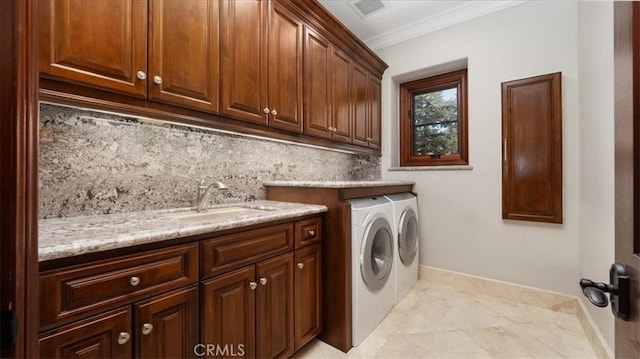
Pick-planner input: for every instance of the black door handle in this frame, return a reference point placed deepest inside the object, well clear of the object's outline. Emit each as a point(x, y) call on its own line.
point(618, 290)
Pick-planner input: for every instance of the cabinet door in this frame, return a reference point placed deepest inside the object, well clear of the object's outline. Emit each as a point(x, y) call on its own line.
point(104, 336)
point(184, 53)
point(101, 43)
point(228, 314)
point(317, 85)
point(244, 59)
point(375, 119)
point(360, 98)
point(308, 287)
point(167, 325)
point(275, 307)
point(341, 97)
point(532, 149)
point(285, 69)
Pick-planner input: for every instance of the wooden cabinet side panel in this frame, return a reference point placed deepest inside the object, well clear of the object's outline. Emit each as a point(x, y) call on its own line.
point(79, 44)
point(243, 44)
point(285, 69)
point(317, 85)
point(96, 337)
point(184, 53)
point(308, 294)
point(375, 113)
point(532, 145)
point(174, 325)
point(228, 312)
point(341, 110)
point(275, 312)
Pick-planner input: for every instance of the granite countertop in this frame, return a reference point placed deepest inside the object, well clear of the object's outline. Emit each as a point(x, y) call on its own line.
point(66, 237)
point(336, 184)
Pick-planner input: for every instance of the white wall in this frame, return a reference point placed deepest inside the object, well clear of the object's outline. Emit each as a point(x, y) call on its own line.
point(460, 211)
point(596, 230)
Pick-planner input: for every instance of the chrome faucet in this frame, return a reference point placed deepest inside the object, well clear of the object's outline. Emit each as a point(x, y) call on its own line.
point(204, 191)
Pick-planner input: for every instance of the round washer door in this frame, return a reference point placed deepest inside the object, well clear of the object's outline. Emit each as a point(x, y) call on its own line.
point(376, 254)
point(408, 236)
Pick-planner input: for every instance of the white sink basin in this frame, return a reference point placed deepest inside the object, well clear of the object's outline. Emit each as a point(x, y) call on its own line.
point(216, 213)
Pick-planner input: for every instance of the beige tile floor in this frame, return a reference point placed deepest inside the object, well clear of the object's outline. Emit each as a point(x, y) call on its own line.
point(437, 321)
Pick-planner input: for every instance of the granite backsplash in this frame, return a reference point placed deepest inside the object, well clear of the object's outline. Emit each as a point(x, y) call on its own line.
point(99, 163)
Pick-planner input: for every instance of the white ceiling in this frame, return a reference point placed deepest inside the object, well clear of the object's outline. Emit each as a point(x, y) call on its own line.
point(402, 20)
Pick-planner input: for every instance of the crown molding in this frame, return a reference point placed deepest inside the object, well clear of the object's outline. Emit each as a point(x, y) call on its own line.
point(459, 14)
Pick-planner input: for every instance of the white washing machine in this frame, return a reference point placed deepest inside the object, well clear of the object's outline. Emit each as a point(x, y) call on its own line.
point(406, 243)
point(372, 260)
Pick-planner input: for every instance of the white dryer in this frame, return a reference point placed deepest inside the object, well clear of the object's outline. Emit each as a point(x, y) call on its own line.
point(406, 243)
point(372, 261)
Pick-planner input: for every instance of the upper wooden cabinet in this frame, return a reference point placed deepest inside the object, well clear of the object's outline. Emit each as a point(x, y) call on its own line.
point(284, 64)
point(285, 69)
point(101, 43)
point(243, 40)
point(262, 63)
point(184, 53)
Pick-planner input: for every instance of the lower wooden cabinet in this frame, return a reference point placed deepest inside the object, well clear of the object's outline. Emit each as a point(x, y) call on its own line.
point(104, 336)
point(165, 326)
point(250, 311)
point(308, 294)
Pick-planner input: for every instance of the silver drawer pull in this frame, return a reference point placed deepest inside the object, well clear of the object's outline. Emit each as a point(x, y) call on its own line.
point(134, 281)
point(147, 328)
point(312, 233)
point(123, 338)
point(263, 281)
point(253, 285)
point(300, 265)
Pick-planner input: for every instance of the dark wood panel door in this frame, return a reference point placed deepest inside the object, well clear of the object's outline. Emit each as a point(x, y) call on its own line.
point(100, 43)
point(532, 149)
point(104, 336)
point(184, 53)
point(627, 168)
point(228, 313)
point(341, 114)
point(360, 101)
point(375, 113)
point(317, 85)
point(166, 326)
point(243, 67)
point(275, 307)
point(308, 294)
point(285, 69)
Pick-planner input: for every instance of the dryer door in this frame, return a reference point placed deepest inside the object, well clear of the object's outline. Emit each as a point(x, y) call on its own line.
point(408, 236)
point(376, 255)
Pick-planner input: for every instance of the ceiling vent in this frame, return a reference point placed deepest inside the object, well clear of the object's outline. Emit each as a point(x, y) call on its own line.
point(365, 8)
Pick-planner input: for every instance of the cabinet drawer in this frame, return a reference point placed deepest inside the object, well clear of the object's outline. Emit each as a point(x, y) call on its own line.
point(84, 289)
point(222, 254)
point(308, 232)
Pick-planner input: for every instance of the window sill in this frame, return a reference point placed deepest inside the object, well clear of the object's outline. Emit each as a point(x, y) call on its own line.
point(432, 168)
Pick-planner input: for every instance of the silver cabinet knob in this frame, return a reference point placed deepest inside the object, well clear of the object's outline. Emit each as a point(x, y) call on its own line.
point(330, 129)
point(123, 338)
point(263, 281)
point(134, 281)
point(335, 130)
point(300, 265)
point(265, 110)
point(253, 285)
point(157, 80)
point(274, 112)
point(141, 75)
point(312, 233)
point(147, 328)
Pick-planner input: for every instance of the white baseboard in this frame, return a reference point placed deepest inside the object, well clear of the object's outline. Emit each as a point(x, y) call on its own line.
point(542, 298)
